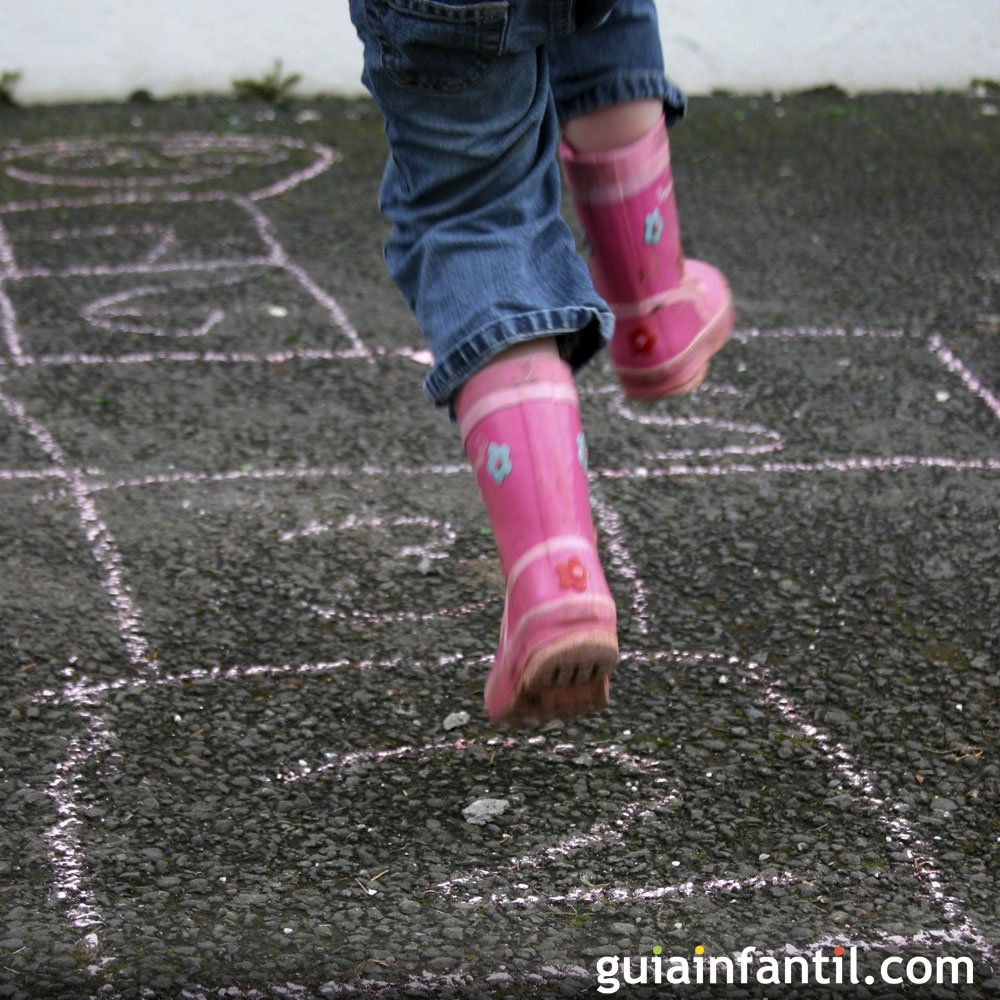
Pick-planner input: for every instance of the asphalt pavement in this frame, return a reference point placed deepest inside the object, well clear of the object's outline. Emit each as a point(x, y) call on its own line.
point(248, 596)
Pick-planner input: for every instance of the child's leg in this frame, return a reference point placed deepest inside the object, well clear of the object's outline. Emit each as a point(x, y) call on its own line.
point(613, 127)
point(520, 422)
point(483, 257)
point(472, 187)
point(672, 314)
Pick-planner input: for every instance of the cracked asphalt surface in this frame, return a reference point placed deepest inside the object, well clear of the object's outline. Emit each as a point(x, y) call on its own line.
point(248, 591)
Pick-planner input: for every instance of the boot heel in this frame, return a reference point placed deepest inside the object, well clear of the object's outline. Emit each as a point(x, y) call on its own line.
point(672, 314)
point(566, 678)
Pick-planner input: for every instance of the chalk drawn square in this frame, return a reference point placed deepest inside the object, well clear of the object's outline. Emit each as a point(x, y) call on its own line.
point(781, 560)
point(142, 420)
point(294, 791)
point(133, 236)
point(307, 791)
point(819, 574)
point(797, 399)
point(308, 566)
point(239, 313)
point(49, 579)
point(304, 565)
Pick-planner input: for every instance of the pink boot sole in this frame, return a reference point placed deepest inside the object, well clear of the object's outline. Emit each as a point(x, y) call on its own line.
point(564, 678)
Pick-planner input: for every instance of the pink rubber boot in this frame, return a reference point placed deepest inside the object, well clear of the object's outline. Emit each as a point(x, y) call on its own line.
point(520, 423)
point(671, 314)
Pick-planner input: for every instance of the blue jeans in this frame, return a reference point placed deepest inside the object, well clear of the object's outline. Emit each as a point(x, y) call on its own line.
point(472, 94)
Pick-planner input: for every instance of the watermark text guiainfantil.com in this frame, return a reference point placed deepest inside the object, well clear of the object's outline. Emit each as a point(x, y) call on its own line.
point(839, 966)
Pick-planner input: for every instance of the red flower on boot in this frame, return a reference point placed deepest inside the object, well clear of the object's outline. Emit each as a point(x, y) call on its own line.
point(573, 575)
point(641, 340)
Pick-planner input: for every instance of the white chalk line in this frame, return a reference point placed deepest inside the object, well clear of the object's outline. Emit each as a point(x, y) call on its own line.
point(66, 854)
point(858, 464)
point(747, 334)
point(772, 440)
point(366, 470)
point(86, 693)
point(607, 517)
point(200, 357)
point(600, 833)
point(333, 308)
point(445, 533)
point(254, 152)
point(957, 366)
point(143, 268)
point(926, 868)
point(633, 763)
point(8, 317)
point(112, 228)
point(8, 263)
point(328, 156)
point(69, 857)
point(15, 475)
point(102, 543)
point(219, 357)
point(357, 350)
point(116, 313)
point(875, 463)
point(165, 235)
point(620, 406)
point(643, 894)
point(403, 617)
point(123, 198)
point(55, 150)
point(8, 326)
point(611, 534)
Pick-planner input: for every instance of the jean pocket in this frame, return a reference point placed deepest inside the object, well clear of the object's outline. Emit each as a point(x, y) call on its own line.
point(438, 47)
point(592, 13)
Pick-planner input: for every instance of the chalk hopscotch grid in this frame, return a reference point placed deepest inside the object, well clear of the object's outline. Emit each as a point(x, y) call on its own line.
point(67, 856)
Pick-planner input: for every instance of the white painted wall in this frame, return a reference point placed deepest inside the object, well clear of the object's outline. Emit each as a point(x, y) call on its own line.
point(100, 49)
